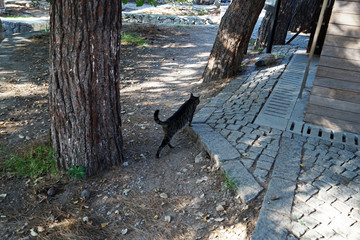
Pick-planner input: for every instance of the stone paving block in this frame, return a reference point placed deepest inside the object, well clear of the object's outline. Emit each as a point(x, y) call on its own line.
point(260, 174)
point(314, 202)
point(306, 191)
point(298, 229)
point(215, 144)
point(325, 196)
point(262, 164)
point(321, 217)
point(349, 174)
point(282, 193)
point(321, 185)
point(325, 230)
point(251, 154)
point(355, 213)
point(248, 163)
point(234, 136)
point(303, 207)
point(233, 127)
point(353, 202)
point(342, 207)
point(270, 152)
point(203, 114)
point(296, 215)
point(341, 224)
point(341, 192)
point(220, 99)
point(309, 222)
point(355, 184)
point(354, 231)
point(329, 210)
point(225, 132)
point(337, 237)
point(312, 234)
point(271, 226)
point(248, 187)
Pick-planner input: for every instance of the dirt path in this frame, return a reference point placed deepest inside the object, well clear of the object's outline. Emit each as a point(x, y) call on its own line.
point(173, 197)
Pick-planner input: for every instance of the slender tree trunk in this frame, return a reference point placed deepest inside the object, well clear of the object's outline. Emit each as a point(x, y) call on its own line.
point(84, 92)
point(305, 15)
point(284, 18)
point(232, 39)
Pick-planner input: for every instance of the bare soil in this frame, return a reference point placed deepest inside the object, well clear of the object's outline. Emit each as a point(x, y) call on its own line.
point(173, 197)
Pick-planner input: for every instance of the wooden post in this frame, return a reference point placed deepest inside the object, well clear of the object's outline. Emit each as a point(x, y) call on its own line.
point(275, 10)
point(313, 46)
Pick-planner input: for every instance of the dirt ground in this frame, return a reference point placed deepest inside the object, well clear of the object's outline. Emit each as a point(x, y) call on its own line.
point(174, 197)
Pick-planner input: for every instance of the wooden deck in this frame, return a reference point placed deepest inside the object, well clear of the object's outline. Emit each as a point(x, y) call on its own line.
point(335, 98)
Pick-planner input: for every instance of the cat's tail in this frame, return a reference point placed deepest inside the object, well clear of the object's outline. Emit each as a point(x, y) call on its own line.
point(156, 118)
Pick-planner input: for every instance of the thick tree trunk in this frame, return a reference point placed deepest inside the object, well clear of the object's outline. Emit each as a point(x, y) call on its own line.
point(232, 39)
point(84, 92)
point(284, 17)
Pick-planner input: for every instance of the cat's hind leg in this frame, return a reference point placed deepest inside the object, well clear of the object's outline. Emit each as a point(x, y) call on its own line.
point(165, 142)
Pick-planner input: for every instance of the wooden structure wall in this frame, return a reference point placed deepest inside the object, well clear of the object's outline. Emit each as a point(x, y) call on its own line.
point(335, 97)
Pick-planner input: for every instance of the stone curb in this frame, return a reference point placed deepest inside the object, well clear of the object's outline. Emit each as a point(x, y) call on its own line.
point(227, 158)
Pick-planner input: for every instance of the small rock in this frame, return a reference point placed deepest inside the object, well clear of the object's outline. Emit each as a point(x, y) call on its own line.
point(40, 229)
point(85, 194)
point(219, 219)
point(203, 179)
point(51, 192)
point(167, 219)
point(125, 164)
point(143, 156)
point(85, 219)
point(220, 208)
point(21, 136)
point(199, 158)
point(163, 195)
point(274, 198)
point(27, 138)
point(266, 60)
point(33, 233)
point(108, 213)
point(124, 231)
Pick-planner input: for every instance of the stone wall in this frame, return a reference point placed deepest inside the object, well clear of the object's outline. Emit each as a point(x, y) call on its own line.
point(11, 26)
point(167, 19)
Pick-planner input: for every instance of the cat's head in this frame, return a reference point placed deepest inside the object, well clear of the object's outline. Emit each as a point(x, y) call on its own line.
point(195, 99)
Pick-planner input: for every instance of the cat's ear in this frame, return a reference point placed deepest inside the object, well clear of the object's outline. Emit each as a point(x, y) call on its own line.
point(191, 95)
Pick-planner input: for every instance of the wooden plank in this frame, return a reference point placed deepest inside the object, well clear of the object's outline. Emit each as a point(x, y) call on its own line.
point(337, 84)
point(344, 30)
point(336, 73)
point(335, 124)
point(333, 113)
point(345, 19)
point(335, 104)
point(341, 41)
point(350, 54)
point(346, 65)
point(336, 94)
point(346, 7)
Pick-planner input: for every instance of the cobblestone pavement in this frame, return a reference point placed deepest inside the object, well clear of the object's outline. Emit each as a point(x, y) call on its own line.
point(312, 186)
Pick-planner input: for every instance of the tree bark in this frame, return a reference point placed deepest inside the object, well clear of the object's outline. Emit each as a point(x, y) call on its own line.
point(232, 39)
point(284, 18)
point(305, 15)
point(84, 91)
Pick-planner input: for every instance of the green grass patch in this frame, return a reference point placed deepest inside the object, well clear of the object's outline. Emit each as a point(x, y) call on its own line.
point(35, 162)
point(132, 39)
point(229, 183)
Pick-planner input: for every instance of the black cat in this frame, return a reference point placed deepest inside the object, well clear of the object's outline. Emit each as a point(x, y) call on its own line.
point(177, 121)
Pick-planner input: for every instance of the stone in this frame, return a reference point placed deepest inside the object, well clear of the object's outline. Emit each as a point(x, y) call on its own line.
point(271, 225)
point(266, 60)
point(51, 192)
point(85, 194)
point(248, 187)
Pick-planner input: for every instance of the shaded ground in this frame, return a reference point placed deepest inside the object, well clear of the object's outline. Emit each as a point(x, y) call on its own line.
point(128, 201)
